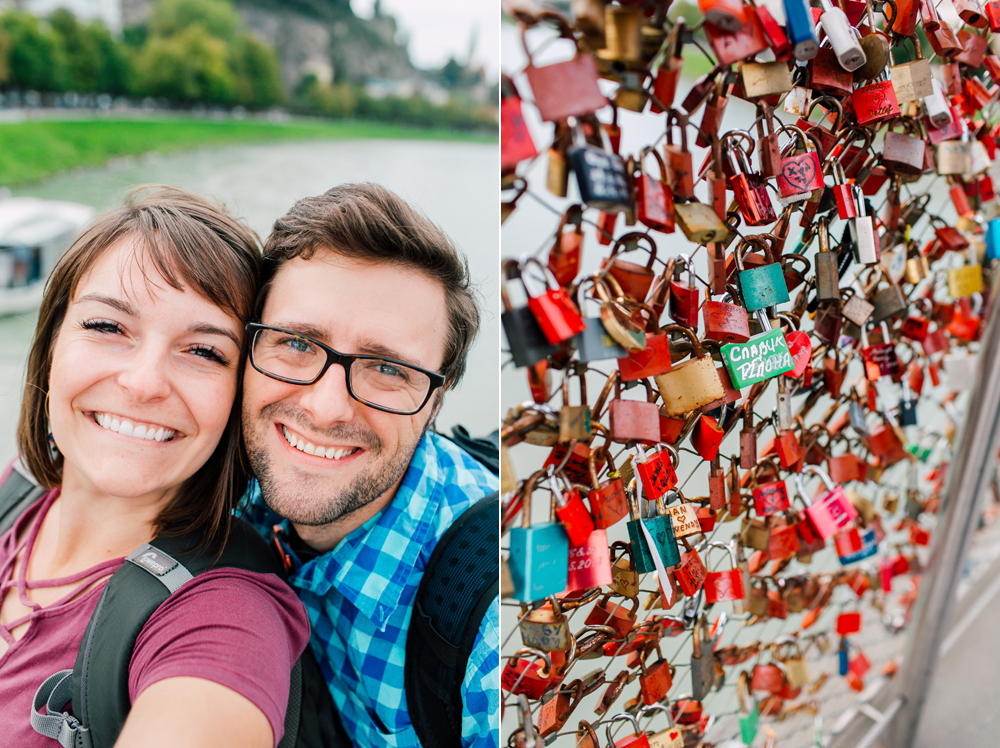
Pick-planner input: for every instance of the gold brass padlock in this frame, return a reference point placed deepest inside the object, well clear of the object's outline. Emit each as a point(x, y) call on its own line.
point(683, 516)
point(546, 629)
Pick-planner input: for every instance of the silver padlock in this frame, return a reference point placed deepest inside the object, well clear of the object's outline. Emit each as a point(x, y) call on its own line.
point(842, 36)
point(938, 110)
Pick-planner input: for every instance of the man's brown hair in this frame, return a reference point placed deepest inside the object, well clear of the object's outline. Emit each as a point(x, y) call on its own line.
point(192, 243)
point(368, 222)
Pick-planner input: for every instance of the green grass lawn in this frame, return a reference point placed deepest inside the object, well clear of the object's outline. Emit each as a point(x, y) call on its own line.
point(30, 151)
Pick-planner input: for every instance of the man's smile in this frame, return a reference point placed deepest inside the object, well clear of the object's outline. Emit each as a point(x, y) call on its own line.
point(330, 452)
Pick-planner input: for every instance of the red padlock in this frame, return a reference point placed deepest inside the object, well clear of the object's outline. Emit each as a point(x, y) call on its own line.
point(556, 313)
point(707, 437)
point(607, 500)
point(783, 542)
point(768, 498)
point(657, 474)
point(727, 585)
point(654, 204)
point(726, 323)
point(690, 575)
point(656, 680)
point(848, 623)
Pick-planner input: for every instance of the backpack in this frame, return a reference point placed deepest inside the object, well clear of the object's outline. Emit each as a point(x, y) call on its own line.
point(461, 580)
point(98, 683)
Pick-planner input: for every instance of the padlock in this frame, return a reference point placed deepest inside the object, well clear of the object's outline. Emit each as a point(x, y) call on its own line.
point(832, 512)
point(953, 157)
point(762, 79)
point(875, 102)
point(762, 286)
point(564, 89)
point(656, 471)
point(555, 312)
point(842, 36)
point(568, 506)
point(672, 736)
point(827, 278)
point(715, 110)
point(749, 716)
point(783, 542)
point(801, 29)
point(624, 576)
point(564, 256)
point(704, 677)
point(801, 174)
point(725, 586)
point(600, 174)
point(852, 545)
point(888, 301)
point(690, 574)
point(574, 420)
point(515, 138)
point(662, 532)
point(790, 655)
point(751, 195)
point(610, 335)
point(633, 279)
point(654, 204)
point(912, 81)
point(699, 222)
point(685, 297)
point(538, 554)
point(545, 628)
point(606, 613)
point(589, 563)
point(770, 497)
point(530, 677)
point(767, 677)
point(634, 420)
point(683, 517)
point(973, 47)
point(965, 280)
point(636, 740)
point(691, 384)
point(793, 276)
point(707, 437)
point(554, 713)
point(527, 342)
point(827, 76)
point(622, 34)
point(903, 153)
point(655, 680)
point(678, 157)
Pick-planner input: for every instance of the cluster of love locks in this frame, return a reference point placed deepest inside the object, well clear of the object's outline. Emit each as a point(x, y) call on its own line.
point(816, 265)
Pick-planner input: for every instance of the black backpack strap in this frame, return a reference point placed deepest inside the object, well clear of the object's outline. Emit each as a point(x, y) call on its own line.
point(149, 576)
point(459, 583)
point(17, 493)
point(485, 449)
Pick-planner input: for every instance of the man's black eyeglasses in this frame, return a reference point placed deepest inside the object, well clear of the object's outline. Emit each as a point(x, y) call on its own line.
point(380, 383)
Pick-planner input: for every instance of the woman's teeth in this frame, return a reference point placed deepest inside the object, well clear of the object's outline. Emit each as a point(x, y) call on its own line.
point(311, 449)
point(147, 431)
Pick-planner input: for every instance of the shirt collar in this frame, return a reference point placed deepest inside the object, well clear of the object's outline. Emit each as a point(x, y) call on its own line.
point(371, 565)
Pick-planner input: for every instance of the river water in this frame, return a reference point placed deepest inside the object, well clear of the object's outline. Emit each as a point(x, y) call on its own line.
point(453, 183)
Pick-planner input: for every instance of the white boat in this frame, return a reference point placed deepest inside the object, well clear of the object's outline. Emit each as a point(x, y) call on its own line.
point(34, 234)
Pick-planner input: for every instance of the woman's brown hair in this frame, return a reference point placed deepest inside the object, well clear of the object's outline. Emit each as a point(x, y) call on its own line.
point(191, 243)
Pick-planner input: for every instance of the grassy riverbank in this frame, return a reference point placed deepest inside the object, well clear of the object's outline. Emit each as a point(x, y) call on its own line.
point(30, 151)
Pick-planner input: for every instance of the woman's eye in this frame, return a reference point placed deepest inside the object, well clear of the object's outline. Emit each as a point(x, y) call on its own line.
point(212, 354)
point(102, 325)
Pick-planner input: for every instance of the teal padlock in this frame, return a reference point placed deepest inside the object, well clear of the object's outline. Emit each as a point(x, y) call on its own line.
point(661, 529)
point(762, 286)
point(993, 239)
point(539, 554)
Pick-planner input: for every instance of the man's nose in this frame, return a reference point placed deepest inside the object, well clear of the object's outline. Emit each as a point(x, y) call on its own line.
point(144, 375)
point(328, 400)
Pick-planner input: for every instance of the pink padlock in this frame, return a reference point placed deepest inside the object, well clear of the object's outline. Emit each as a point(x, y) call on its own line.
point(589, 563)
point(831, 513)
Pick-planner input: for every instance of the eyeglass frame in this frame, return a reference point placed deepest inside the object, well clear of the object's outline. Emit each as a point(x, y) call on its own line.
point(346, 360)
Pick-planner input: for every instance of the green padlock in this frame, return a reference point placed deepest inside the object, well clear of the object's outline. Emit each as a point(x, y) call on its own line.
point(762, 286)
point(661, 529)
point(749, 718)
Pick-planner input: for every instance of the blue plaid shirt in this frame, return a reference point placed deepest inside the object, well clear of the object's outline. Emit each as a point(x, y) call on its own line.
point(360, 597)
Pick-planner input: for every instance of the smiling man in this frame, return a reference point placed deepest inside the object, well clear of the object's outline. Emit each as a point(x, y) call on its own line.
point(366, 318)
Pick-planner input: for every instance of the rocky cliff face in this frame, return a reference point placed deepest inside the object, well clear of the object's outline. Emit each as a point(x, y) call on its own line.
point(321, 37)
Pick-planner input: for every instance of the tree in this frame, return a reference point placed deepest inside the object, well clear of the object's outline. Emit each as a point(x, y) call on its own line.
point(37, 60)
point(191, 66)
point(218, 17)
point(258, 77)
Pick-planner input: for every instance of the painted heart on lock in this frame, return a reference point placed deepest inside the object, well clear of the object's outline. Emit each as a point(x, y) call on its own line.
point(801, 350)
point(799, 174)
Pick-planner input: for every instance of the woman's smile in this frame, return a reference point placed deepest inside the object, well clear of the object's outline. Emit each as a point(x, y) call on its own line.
point(134, 428)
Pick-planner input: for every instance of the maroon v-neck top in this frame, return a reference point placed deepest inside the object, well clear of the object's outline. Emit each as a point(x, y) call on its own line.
point(241, 629)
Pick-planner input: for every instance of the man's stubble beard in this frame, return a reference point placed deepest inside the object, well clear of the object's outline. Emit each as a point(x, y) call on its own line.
point(312, 500)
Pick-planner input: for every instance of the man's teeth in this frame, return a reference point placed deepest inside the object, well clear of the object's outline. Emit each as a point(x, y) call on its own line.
point(147, 431)
point(309, 448)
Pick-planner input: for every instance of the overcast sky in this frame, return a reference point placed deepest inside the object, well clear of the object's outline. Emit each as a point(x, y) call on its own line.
point(439, 29)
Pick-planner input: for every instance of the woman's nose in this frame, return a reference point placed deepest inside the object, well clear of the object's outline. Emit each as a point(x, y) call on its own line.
point(144, 375)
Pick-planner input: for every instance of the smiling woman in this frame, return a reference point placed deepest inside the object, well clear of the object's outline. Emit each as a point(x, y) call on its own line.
point(128, 424)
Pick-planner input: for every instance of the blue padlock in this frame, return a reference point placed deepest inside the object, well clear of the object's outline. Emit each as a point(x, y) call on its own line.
point(801, 29)
point(993, 239)
point(539, 555)
point(842, 653)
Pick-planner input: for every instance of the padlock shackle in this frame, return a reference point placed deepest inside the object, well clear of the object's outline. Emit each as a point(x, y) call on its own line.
point(624, 716)
point(528, 21)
